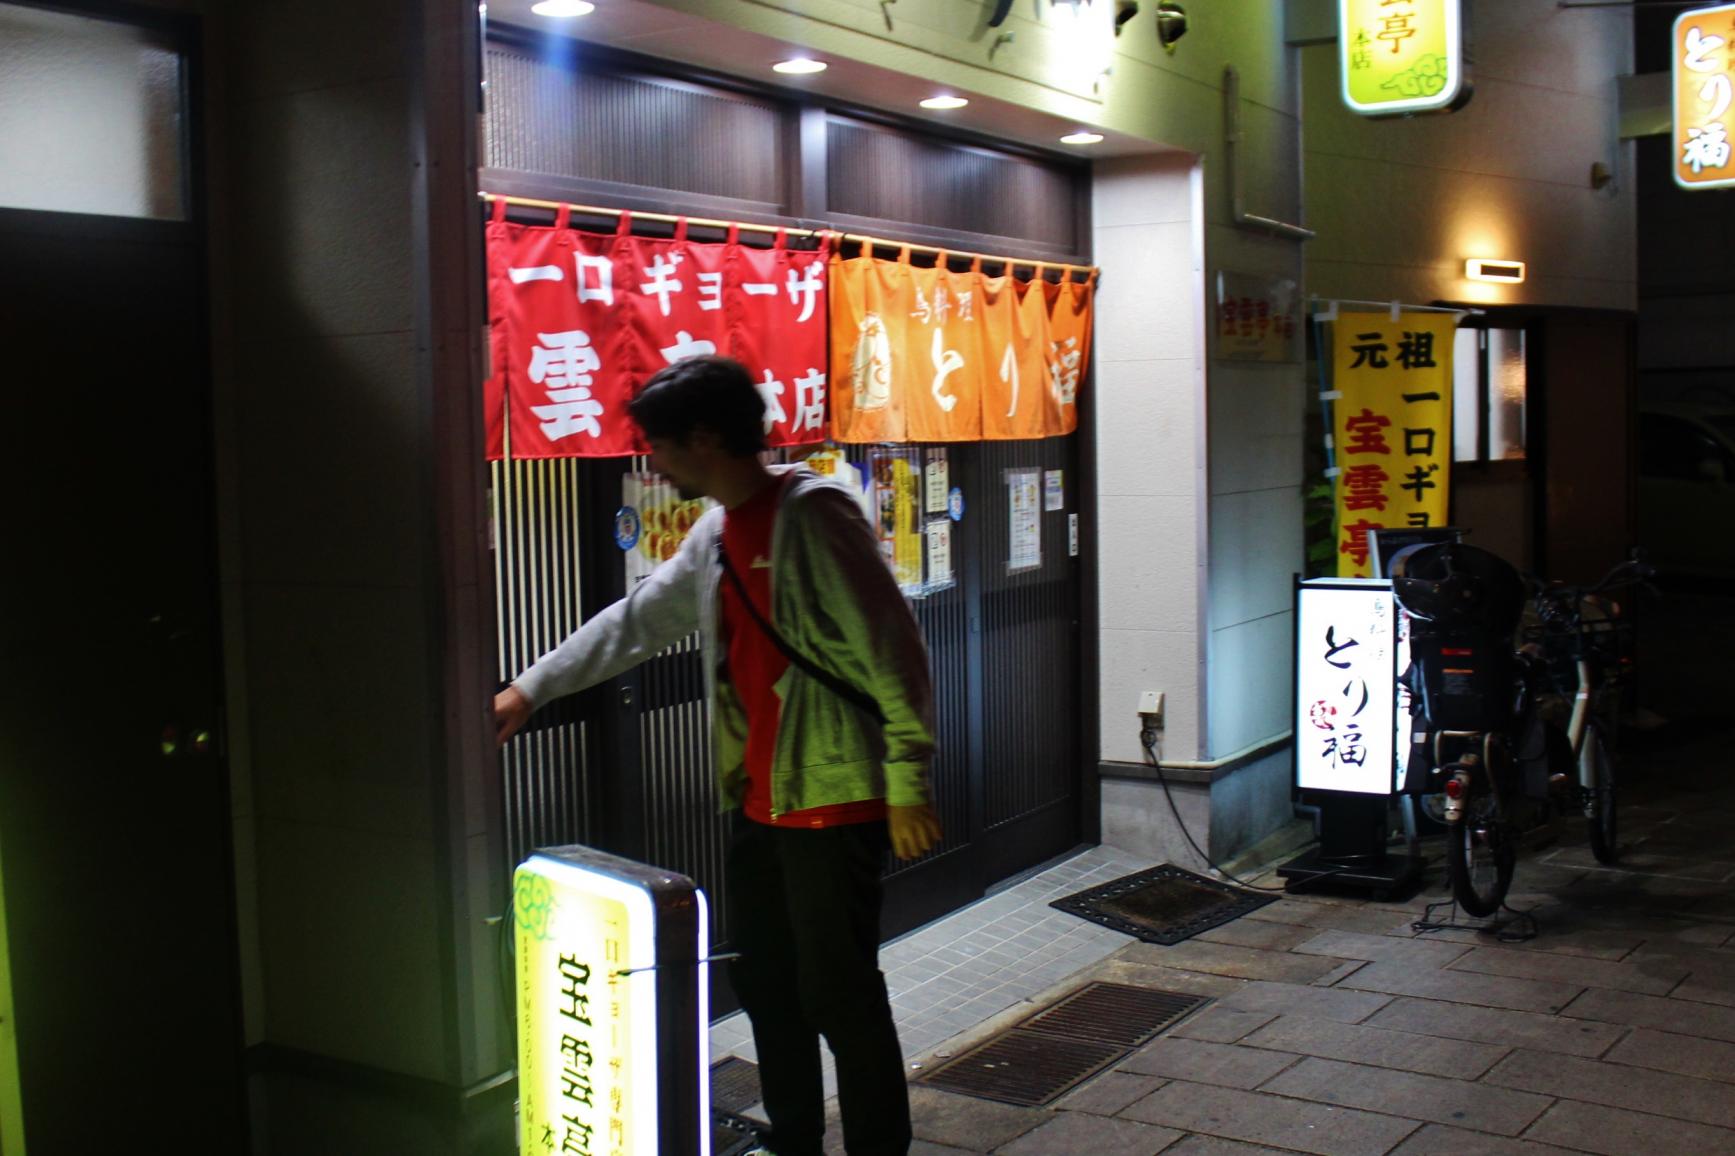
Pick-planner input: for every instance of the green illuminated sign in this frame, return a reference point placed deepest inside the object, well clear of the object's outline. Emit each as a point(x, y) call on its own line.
point(1400, 56)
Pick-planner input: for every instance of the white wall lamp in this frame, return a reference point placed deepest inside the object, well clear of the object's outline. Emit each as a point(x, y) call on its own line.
point(1501, 272)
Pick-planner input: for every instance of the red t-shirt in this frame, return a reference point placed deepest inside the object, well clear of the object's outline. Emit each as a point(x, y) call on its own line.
point(755, 664)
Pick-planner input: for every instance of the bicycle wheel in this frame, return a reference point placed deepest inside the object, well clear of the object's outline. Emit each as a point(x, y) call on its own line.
point(1600, 813)
point(1480, 856)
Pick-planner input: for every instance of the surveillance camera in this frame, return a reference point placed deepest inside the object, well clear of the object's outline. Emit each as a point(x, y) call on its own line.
point(1124, 10)
point(1171, 24)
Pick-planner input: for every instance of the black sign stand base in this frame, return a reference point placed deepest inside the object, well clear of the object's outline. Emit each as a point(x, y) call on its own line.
point(1352, 850)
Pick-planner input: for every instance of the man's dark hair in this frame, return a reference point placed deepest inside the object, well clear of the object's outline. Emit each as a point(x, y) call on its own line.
point(713, 393)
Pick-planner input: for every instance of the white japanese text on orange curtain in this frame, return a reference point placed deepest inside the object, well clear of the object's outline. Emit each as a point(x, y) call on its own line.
point(930, 355)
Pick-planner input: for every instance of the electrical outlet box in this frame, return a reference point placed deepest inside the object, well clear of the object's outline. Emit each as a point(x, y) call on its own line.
point(1151, 706)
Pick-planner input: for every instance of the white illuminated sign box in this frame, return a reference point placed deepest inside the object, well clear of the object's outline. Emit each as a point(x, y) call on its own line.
point(1351, 735)
point(612, 1008)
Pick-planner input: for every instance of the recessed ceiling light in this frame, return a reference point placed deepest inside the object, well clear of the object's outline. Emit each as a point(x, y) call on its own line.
point(1081, 138)
point(944, 102)
point(563, 9)
point(800, 66)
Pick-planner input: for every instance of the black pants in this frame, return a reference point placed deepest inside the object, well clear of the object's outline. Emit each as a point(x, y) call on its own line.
point(804, 911)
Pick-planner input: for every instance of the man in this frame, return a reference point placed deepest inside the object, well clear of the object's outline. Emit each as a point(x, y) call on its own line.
point(822, 735)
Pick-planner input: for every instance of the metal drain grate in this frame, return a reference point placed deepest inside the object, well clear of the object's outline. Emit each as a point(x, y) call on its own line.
point(734, 1085)
point(1026, 1068)
point(1114, 1013)
point(1048, 1054)
point(1164, 904)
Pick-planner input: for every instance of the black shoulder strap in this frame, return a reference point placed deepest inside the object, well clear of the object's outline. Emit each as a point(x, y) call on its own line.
point(831, 682)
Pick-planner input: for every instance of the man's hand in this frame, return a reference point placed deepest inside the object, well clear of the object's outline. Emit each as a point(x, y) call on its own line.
point(511, 711)
point(914, 830)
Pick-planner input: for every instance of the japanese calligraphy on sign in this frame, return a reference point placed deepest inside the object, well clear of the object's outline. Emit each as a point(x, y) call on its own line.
point(1257, 318)
point(1704, 92)
point(1400, 56)
point(1346, 686)
point(926, 354)
point(586, 1040)
point(578, 322)
point(1391, 427)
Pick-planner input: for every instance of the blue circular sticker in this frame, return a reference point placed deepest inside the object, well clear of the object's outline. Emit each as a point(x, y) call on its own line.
point(627, 527)
point(955, 504)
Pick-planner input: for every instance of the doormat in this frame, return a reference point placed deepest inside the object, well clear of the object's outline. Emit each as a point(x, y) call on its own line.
point(1164, 904)
point(1046, 1055)
point(734, 1089)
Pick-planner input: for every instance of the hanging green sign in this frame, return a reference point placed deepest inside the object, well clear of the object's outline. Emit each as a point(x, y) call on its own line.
point(1401, 56)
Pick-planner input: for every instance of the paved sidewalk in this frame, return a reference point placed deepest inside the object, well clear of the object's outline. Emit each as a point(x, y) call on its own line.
point(1337, 1029)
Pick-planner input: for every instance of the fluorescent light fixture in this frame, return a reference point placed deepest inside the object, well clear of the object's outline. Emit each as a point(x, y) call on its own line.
point(1488, 269)
point(563, 9)
point(800, 66)
point(1081, 138)
point(944, 102)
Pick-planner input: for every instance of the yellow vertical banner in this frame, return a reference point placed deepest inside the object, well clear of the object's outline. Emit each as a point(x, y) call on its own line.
point(1391, 427)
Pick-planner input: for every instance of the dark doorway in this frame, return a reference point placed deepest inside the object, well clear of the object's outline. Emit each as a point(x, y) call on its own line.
point(114, 813)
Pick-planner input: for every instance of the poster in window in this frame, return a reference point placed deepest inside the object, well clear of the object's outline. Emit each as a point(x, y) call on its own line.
point(940, 576)
point(896, 486)
point(1024, 500)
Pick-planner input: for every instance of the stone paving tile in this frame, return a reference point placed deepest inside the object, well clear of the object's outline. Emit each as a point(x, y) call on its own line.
point(1641, 860)
point(1220, 1025)
point(1464, 987)
point(1258, 933)
point(1119, 969)
point(1329, 1003)
point(968, 1123)
point(1373, 921)
point(1217, 1146)
point(1588, 942)
point(1711, 993)
point(1239, 962)
point(1258, 1118)
point(1382, 949)
point(1615, 1132)
point(1683, 1055)
point(1500, 1026)
point(1455, 1102)
point(1708, 934)
point(1358, 1043)
point(1711, 973)
point(1439, 1140)
point(1657, 979)
point(1340, 973)
point(1106, 1094)
point(1205, 1063)
point(1617, 1086)
point(1648, 1011)
point(1096, 1135)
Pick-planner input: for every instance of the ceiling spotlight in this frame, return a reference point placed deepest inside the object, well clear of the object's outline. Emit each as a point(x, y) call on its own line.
point(1124, 10)
point(1081, 138)
point(944, 102)
point(800, 66)
point(563, 9)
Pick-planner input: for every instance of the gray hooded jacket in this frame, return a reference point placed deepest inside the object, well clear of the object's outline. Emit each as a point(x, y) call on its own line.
point(835, 602)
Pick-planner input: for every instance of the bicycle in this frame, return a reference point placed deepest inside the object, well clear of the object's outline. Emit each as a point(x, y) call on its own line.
point(1505, 767)
point(1585, 644)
